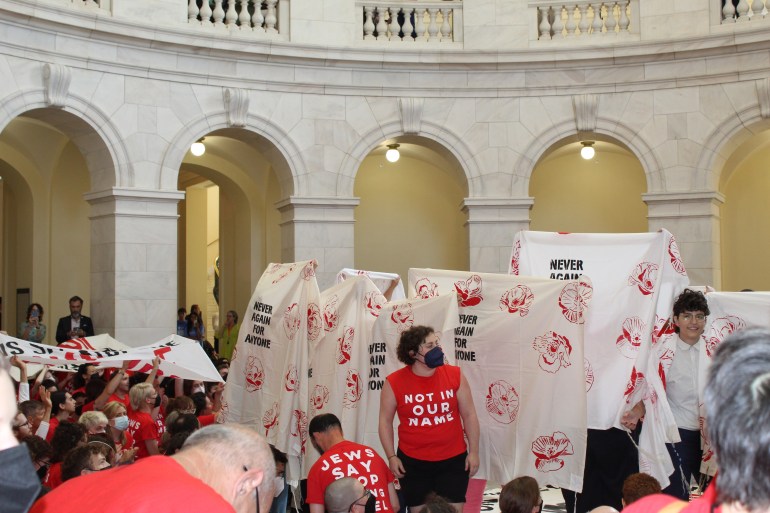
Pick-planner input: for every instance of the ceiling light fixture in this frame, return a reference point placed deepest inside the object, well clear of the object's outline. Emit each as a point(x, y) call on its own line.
point(198, 148)
point(587, 151)
point(392, 154)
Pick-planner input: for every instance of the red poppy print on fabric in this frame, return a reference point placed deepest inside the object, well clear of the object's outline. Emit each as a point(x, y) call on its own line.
point(574, 299)
point(720, 328)
point(550, 451)
point(402, 316)
point(319, 397)
point(555, 351)
point(270, 419)
point(374, 301)
point(331, 315)
point(469, 291)
point(589, 370)
point(517, 300)
point(273, 268)
point(515, 257)
point(345, 345)
point(676, 258)
point(291, 379)
point(630, 339)
point(284, 272)
point(291, 321)
point(634, 382)
point(255, 374)
point(309, 270)
point(502, 402)
point(644, 277)
point(663, 328)
point(425, 288)
point(353, 389)
point(299, 428)
point(313, 321)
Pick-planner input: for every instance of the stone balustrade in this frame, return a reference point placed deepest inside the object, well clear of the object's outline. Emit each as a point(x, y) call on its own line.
point(743, 10)
point(426, 22)
point(258, 16)
point(585, 19)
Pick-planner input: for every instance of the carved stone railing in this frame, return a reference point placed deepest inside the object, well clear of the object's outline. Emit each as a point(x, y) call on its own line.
point(412, 21)
point(584, 18)
point(258, 16)
point(743, 10)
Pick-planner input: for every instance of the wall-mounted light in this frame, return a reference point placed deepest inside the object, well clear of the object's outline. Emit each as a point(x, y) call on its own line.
point(198, 148)
point(587, 151)
point(392, 154)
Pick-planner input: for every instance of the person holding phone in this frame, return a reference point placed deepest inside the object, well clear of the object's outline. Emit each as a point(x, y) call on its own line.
point(33, 328)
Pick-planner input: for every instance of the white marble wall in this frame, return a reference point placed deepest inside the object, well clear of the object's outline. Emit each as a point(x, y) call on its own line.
point(319, 111)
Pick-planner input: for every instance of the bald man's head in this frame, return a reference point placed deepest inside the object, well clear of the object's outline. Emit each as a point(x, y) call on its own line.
point(343, 493)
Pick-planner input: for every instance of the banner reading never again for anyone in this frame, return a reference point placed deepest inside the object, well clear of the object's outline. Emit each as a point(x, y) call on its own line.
point(267, 383)
point(520, 346)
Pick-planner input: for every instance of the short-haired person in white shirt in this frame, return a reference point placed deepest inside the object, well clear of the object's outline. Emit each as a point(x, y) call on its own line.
point(690, 312)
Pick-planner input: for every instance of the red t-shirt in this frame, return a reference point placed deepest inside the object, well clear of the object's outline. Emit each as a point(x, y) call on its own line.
point(429, 427)
point(157, 483)
point(125, 401)
point(53, 480)
point(207, 420)
point(655, 503)
point(53, 423)
point(142, 427)
point(349, 459)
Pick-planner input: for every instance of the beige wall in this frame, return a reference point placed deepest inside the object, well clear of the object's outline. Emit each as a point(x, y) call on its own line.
point(746, 224)
point(602, 195)
point(409, 216)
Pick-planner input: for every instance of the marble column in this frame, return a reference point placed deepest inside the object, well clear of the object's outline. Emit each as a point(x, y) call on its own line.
point(134, 263)
point(320, 228)
point(694, 219)
point(492, 224)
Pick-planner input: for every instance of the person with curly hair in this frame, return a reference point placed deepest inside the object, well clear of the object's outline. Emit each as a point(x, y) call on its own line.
point(436, 413)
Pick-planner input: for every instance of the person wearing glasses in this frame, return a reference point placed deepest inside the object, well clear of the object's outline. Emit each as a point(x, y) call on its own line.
point(348, 495)
point(522, 495)
point(681, 379)
point(436, 414)
point(221, 468)
point(344, 458)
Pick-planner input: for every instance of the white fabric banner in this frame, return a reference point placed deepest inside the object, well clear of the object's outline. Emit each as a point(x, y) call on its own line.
point(520, 346)
point(267, 386)
point(440, 313)
point(338, 364)
point(729, 312)
point(180, 357)
point(635, 277)
point(383, 281)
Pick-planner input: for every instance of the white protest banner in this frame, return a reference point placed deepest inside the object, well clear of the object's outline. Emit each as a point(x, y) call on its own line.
point(180, 357)
point(636, 277)
point(520, 346)
point(383, 281)
point(728, 312)
point(336, 382)
point(267, 383)
point(440, 313)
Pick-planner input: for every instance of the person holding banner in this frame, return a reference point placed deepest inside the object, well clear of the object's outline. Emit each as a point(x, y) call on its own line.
point(690, 312)
point(435, 409)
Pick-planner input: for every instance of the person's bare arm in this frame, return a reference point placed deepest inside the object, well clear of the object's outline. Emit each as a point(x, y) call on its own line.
point(217, 396)
point(317, 508)
point(470, 424)
point(631, 417)
point(154, 373)
point(393, 497)
point(112, 385)
point(385, 429)
point(152, 447)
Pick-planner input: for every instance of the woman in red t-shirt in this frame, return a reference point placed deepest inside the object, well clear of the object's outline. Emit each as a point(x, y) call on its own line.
point(141, 424)
point(431, 399)
point(117, 417)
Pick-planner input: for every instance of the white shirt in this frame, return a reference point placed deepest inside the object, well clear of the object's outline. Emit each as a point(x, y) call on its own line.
point(682, 385)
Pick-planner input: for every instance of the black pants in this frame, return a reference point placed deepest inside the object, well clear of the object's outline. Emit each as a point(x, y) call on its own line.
point(686, 457)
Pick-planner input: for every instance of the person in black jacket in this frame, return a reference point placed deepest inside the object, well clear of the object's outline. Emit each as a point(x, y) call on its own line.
point(74, 325)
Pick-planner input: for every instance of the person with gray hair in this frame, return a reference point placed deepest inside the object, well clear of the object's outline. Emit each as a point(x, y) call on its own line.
point(221, 468)
point(348, 495)
point(737, 402)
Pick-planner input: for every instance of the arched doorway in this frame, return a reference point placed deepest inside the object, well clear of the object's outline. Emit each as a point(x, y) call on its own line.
point(410, 212)
point(598, 195)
